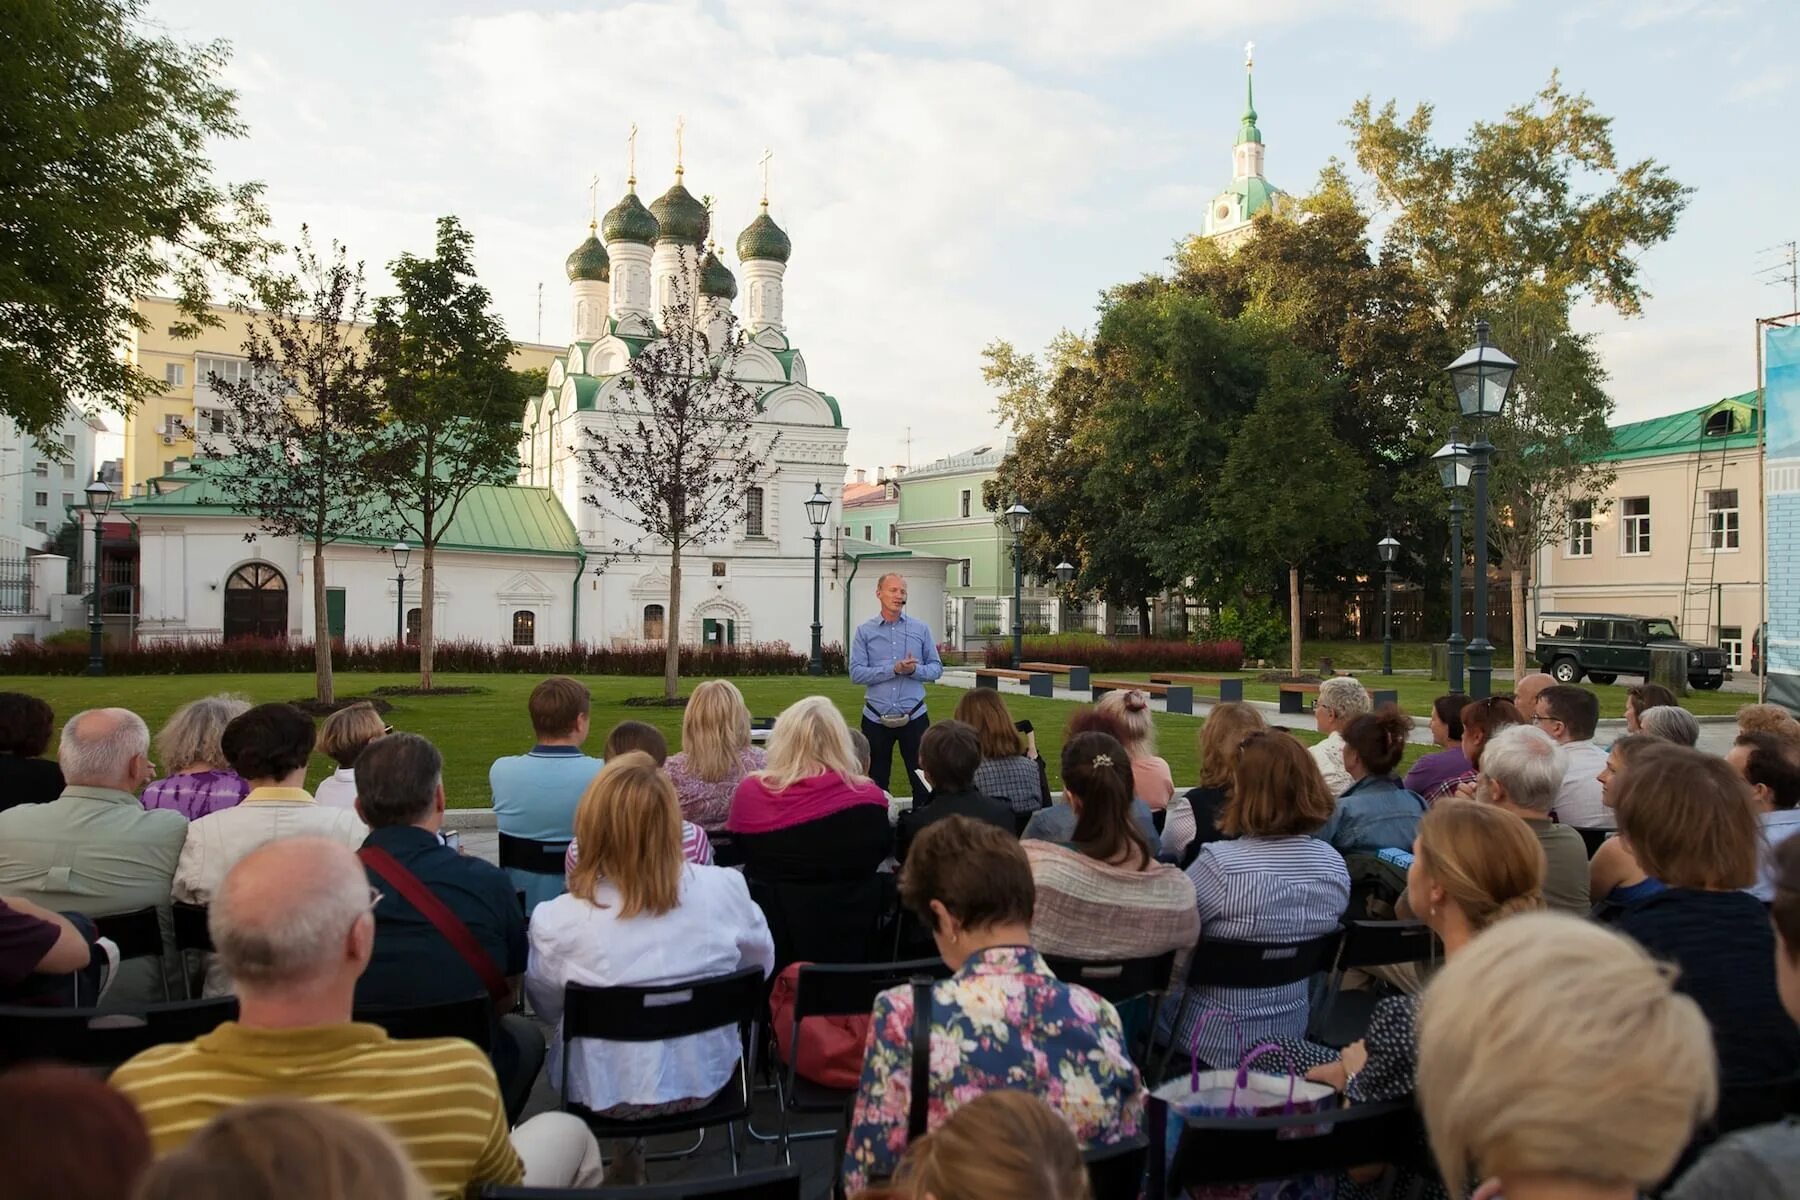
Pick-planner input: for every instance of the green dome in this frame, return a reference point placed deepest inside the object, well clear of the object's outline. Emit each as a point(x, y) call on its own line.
point(680, 217)
point(763, 238)
point(629, 221)
point(716, 278)
point(589, 261)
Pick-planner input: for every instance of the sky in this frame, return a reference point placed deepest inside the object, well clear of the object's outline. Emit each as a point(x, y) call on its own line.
point(955, 171)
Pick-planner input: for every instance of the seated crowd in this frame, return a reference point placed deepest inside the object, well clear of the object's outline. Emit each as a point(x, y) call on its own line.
point(1619, 930)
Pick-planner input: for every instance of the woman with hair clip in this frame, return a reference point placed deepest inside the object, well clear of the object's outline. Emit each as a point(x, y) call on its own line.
point(999, 1146)
point(1376, 812)
point(1102, 895)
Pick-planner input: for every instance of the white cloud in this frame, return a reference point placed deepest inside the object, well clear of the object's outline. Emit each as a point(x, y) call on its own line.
point(1770, 81)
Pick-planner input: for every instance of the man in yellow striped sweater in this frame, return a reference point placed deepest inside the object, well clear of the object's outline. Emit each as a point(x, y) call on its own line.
point(292, 923)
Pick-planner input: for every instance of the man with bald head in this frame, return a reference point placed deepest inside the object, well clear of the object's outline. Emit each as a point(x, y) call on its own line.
point(1527, 691)
point(894, 657)
point(294, 926)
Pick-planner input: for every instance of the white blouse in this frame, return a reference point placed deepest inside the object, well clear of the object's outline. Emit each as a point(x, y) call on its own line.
point(714, 930)
point(337, 790)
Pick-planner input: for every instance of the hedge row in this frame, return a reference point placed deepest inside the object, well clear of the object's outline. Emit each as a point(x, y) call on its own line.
point(274, 655)
point(1127, 654)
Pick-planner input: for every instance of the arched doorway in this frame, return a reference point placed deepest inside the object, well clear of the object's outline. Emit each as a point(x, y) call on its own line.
point(256, 603)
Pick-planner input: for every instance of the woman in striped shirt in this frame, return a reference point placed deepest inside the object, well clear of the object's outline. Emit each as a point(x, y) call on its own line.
point(1275, 884)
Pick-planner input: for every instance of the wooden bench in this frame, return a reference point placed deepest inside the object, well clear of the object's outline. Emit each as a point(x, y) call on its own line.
point(1292, 692)
point(1230, 687)
point(1177, 697)
point(1038, 682)
point(1078, 675)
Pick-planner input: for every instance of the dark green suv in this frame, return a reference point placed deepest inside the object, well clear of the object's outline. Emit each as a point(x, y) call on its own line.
point(1604, 646)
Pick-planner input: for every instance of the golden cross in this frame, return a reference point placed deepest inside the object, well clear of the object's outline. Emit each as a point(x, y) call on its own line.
point(680, 126)
point(631, 156)
point(1249, 54)
point(767, 155)
point(594, 202)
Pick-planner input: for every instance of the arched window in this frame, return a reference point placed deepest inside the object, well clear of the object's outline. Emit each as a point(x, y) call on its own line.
point(524, 627)
point(413, 618)
point(653, 622)
point(256, 603)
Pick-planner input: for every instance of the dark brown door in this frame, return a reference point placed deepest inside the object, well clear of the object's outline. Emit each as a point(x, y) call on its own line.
point(256, 602)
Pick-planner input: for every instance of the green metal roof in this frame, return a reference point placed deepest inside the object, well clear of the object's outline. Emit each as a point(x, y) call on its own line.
point(856, 548)
point(1247, 130)
point(629, 221)
point(587, 387)
point(716, 278)
point(680, 217)
point(588, 261)
point(1685, 432)
point(763, 238)
point(1258, 193)
point(490, 519)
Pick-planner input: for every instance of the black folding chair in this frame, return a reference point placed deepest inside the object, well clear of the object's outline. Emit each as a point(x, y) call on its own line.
point(1116, 980)
point(775, 1183)
point(833, 990)
point(88, 1037)
point(191, 937)
point(1251, 965)
point(539, 858)
point(1228, 1150)
point(471, 1018)
point(1367, 944)
point(659, 1013)
point(138, 934)
point(828, 921)
point(1117, 1172)
point(1593, 839)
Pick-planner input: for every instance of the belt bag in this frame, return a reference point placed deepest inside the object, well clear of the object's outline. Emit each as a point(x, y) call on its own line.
point(896, 720)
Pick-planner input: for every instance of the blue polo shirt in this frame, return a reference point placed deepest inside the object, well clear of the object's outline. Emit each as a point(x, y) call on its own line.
point(412, 962)
point(535, 797)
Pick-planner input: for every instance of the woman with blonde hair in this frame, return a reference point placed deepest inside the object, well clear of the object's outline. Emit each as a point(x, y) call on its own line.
point(1193, 818)
point(1150, 775)
point(342, 739)
point(637, 912)
point(998, 1145)
point(197, 779)
point(1556, 1058)
point(715, 754)
point(810, 815)
point(286, 1149)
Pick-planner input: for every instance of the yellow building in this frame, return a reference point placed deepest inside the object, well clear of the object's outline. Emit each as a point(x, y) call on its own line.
point(166, 427)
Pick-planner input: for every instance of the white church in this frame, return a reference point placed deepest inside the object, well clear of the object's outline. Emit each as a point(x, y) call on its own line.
point(529, 564)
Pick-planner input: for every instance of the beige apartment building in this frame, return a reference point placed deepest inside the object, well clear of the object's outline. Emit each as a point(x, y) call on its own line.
point(1678, 535)
point(178, 423)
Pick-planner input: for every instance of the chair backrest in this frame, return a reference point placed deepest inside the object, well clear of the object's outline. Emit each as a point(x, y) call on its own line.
point(669, 1010)
point(1259, 964)
point(774, 1183)
point(94, 1038)
point(1593, 839)
point(191, 932)
point(849, 989)
point(1385, 944)
point(1742, 1105)
point(540, 858)
point(1117, 1172)
point(1117, 980)
point(471, 1018)
point(1219, 1150)
point(138, 933)
point(837, 921)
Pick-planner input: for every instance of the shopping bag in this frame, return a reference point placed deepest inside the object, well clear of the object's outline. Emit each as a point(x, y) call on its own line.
point(1244, 1093)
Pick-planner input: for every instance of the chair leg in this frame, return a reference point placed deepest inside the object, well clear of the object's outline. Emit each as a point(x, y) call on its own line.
point(731, 1142)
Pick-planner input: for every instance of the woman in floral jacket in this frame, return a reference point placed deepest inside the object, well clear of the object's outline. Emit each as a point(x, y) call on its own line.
point(1001, 1021)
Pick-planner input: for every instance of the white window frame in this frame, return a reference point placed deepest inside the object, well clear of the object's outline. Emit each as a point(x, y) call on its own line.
point(755, 514)
point(40, 499)
point(1724, 523)
point(868, 533)
point(1634, 528)
point(893, 535)
point(965, 502)
point(1732, 646)
point(174, 375)
point(1581, 530)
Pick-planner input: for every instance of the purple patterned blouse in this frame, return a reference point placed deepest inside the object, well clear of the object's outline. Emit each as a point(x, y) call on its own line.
point(709, 804)
point(196, 795)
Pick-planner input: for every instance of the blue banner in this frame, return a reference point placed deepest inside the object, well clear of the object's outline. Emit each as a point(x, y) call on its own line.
point(1781, 400)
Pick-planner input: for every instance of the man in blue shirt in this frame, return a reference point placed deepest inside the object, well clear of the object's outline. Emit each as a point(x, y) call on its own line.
point(536, 793)
point(894, 657)
point(400, 797)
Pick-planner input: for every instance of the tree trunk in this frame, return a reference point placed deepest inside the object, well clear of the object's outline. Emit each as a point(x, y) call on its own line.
point(427, 606)
point(672, 627)
point(322, 682)
point(1518, 625)
point(1294, 619)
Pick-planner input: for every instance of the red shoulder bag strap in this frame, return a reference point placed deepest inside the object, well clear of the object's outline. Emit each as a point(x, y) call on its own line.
point(438, 913)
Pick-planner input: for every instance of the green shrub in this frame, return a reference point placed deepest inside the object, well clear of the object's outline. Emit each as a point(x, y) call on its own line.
point(1256, 623)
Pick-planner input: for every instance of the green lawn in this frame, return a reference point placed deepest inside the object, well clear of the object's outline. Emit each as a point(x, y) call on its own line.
point(473, 730)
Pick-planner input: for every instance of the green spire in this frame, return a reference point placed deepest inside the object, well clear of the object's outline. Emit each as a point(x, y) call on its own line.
point(1247, 130)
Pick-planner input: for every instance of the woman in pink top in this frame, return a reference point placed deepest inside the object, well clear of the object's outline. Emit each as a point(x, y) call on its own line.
point(1151, 778)
point(199, 780)
point(715, 755)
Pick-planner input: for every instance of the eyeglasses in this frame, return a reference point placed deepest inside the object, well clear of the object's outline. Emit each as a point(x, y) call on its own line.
point(1543, 720)
point(376, 895)
point(386, 729)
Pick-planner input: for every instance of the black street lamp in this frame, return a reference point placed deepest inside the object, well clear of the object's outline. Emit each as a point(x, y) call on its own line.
point(1482, 378)
point(1016, 518)
point(818, 509)
point(1388, 549)
point(401, 552)
point(99, 498)
point(1455, 465)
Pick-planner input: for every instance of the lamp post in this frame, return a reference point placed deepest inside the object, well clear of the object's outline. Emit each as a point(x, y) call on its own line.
point(1016, 518)
point(818, 508)
point(1482, 377)
point(1388, 549)
point(99, 498)
point(1065, 571)
point(401, 552)
point(1454, 465)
